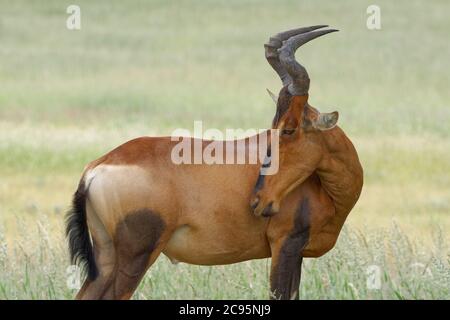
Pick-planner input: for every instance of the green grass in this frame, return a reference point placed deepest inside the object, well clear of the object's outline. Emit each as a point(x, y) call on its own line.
point(36, 269)
point(149, 67)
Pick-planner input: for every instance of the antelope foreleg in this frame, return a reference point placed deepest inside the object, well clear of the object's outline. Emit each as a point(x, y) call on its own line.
point(287, 256)
point(286, 267)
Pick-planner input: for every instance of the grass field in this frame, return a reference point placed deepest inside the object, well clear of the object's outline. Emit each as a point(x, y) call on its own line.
point(149, 67)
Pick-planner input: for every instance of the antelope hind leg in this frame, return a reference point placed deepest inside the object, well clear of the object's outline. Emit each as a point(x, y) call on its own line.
point(140, 238)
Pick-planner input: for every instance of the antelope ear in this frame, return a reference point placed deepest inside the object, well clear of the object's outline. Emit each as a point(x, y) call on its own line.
point(326, 121)
point(273, 96)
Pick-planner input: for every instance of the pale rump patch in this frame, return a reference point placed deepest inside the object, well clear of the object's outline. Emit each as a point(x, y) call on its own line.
point(116, 190)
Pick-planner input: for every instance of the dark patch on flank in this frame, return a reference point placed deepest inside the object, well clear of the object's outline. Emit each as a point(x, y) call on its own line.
point(137, 236)
point(77, 233)
point(285, 279)
point(139, 232)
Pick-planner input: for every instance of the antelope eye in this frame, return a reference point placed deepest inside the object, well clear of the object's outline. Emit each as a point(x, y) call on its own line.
point(287, 131)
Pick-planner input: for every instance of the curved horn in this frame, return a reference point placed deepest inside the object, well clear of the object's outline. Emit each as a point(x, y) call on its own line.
point(300, 79)
point(275, 42)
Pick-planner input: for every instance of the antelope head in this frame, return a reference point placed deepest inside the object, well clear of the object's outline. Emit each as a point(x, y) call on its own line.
point(301, 145)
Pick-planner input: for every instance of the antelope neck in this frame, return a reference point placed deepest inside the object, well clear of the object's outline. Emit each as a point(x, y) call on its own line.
point(340, 171)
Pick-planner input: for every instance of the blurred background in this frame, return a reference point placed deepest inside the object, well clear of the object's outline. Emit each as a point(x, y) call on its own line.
point(148, 67)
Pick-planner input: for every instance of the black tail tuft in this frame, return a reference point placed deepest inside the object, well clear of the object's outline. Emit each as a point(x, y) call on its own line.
point(77, 233)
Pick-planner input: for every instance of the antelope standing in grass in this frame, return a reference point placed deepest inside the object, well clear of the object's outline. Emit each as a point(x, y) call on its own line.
point(134, 203)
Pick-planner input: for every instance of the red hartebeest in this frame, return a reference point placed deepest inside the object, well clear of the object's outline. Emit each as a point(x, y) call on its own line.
point(134, 202)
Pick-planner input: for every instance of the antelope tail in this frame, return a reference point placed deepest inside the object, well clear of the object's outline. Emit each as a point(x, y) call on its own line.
point(77, 233)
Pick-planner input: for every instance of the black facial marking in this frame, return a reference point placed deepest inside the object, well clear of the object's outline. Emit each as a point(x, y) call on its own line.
point(267, 158)
point(284, 100)
point(259, 183)
point(255, 205)
point(266, 164)
point(267, 212)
